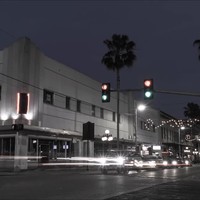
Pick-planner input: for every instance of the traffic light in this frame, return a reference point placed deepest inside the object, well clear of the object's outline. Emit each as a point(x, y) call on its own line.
point(105, 92)
point(148, 89)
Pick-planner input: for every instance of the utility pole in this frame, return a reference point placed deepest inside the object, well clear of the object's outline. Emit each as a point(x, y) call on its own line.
point(118, 88)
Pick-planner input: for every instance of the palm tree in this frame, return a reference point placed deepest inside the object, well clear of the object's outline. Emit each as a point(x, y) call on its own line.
point(120, 54)
point(197, 42)
point(192, 110)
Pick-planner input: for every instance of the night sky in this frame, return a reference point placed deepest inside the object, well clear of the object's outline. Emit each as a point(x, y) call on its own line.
point(73, 32)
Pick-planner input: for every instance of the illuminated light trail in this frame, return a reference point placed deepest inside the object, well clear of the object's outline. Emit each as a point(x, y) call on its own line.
point(20, 157)
point(71, 164)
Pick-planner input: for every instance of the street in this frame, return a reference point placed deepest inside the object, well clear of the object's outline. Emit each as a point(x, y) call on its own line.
point(68, 184)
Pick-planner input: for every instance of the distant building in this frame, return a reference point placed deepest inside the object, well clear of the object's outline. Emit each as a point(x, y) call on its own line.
point(172, 137)
point(57, 101)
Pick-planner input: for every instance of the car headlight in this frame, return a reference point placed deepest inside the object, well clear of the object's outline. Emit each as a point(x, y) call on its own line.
point(187, 162)
point(120, 160)
point(152, 163)
point(174, 162)
point(139, 163)
point(165, 162)
point(102, 161)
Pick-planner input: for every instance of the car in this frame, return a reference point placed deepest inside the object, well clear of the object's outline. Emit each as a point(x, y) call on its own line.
point(133, 161)
point(187, 162)
point(150, 162)
point(172, 161)
point(112, 161)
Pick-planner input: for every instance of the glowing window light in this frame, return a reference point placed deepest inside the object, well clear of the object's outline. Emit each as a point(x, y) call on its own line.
point(23, 100)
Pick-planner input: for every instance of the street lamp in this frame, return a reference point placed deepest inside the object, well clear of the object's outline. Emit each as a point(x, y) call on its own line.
point(179, 139)
point(106, 137)
point(140, 107)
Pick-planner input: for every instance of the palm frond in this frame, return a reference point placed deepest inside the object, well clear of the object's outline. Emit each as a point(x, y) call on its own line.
point(120, 54)
point(196, 42)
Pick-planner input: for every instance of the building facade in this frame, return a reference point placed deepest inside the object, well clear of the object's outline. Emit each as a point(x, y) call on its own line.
point(58, 102)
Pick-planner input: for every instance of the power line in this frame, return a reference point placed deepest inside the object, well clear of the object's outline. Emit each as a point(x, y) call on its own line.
point(8, 33)
point(21, 81)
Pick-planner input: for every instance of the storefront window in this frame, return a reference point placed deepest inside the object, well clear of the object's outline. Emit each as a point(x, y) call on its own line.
point(7, 146)
point(52, 149)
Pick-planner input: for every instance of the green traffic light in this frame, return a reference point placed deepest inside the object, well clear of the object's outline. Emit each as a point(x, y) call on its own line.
point(104, 97)
point(148, 94)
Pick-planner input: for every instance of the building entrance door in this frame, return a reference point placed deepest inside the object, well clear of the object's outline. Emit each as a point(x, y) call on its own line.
point(44, 150)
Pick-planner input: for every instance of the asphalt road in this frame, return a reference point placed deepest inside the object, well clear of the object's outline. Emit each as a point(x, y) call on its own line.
point(66, 184)
point(182, 188)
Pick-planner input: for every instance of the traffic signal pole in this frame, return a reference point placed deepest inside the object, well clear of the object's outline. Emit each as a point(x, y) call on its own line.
point(161, 91)
point(148, 90)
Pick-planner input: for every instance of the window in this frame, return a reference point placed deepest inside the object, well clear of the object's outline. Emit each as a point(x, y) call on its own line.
point(154, 128)
point(93, 110)
point(101, 113)
point(113, 117)
point(48, 97)
point(142, 125)
point(67, 105)
point(147, 126)
point(162, 133)
point(22, 103)
point(0, 92)
point(78, 106)
point(7, 146)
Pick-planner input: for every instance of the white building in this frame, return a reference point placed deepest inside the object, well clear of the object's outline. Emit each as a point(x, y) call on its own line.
point(60, 101)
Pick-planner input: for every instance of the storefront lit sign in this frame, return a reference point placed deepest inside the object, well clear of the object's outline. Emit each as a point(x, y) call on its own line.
point(158, 148)
point(65, 146)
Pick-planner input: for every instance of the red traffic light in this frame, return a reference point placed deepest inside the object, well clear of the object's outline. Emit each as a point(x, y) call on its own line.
point(104, 86)
point(148, 83)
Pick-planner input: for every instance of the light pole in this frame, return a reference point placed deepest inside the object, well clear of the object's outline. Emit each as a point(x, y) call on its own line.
point(179, 140)
point(140, 107)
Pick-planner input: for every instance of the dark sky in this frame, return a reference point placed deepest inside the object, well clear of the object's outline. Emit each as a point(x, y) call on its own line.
point(73, 32)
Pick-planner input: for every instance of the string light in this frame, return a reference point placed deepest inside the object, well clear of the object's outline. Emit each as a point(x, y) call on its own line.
point(172, 123)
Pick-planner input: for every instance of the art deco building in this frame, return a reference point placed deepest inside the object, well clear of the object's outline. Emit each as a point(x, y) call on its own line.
point(44, 104)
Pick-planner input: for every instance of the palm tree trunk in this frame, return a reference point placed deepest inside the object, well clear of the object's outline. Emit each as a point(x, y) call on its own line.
point(118, 89)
